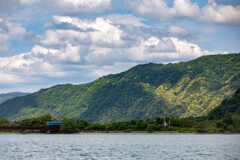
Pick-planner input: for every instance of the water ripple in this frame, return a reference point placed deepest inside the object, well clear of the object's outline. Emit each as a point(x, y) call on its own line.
point(118, 146)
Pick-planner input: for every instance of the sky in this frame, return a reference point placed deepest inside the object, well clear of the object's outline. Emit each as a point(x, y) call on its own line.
point(49, 42)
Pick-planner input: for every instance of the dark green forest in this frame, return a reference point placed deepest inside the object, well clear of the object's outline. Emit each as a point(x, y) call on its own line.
point(225, 118)
point(229, 106)
point(185, 89)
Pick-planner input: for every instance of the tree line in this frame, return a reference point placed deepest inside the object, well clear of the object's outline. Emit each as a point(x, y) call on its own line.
point(228, 124)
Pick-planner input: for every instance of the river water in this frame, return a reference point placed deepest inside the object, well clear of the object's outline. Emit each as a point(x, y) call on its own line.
point(118, 146)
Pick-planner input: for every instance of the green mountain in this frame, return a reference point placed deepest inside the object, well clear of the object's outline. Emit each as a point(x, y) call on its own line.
point(228, 106)
point(145, 91)
point(6, 96)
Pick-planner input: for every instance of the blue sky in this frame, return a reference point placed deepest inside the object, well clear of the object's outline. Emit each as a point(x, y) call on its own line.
point(49, 42)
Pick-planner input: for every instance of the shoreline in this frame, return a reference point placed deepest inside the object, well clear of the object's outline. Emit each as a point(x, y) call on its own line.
point(130, 133)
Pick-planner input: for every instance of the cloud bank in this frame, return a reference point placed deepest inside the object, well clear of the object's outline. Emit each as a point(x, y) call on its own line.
point(212, 12)
point(81, 40)
point(100, 46)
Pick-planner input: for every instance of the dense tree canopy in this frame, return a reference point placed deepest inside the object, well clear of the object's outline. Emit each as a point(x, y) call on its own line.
point(146, 91)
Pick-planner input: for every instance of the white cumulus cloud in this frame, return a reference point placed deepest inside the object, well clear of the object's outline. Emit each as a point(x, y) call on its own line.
point(81, 6)
point(166, 48)
point(10, 31)
point(100, 31)
point(224, 14)
point(89, 48)
point(125, 19)
point(212, 12)
point(177, 31)
point(158, 9)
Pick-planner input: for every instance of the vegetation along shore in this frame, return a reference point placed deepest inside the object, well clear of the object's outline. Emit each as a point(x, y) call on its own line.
point(223, 119)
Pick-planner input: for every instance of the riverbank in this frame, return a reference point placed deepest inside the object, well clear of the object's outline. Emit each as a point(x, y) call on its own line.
point(159, 125)
point(132, 132)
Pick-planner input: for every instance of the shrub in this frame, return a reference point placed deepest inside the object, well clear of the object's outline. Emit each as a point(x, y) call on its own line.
point(69, 125)
point(127, 130)
point(151, 127)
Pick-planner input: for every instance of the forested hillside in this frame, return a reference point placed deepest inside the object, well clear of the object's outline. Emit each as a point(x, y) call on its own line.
point(6, 96)
point(145, 91)
point(228, 106)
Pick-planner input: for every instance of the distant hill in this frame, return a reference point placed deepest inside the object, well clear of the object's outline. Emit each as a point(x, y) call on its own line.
point(145, 91)
point(6, 96)
point(229, 105)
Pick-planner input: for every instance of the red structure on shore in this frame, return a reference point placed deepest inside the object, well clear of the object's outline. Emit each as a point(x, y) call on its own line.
point(44, 128)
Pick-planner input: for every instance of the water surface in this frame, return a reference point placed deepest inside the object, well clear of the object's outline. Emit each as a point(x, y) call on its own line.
point(118, 146)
